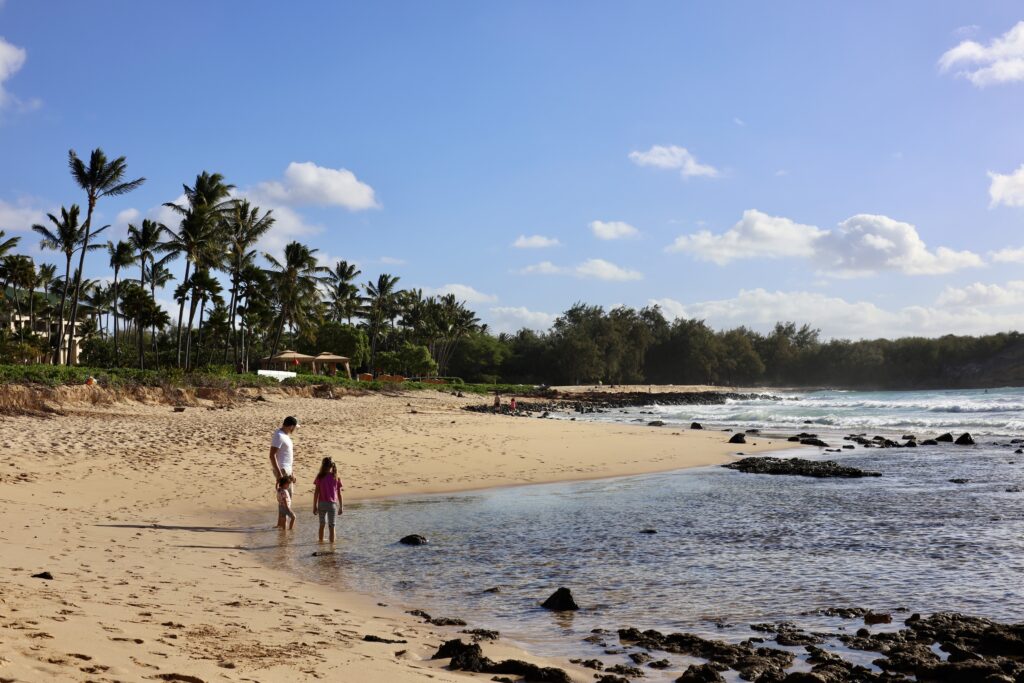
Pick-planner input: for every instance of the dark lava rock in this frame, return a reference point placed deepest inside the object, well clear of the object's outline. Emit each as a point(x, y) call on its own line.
point(877, 618)
point(482, 634)
point(595, 664)
point(378, 639)
point(640, 657)
point(530, 672)
point(798, 467)
point(648, 531)
point(738, 438)
point(795, 439)
point(696, 425)
point(660, 664)
point(43, 575)
point(814, 442)
point(323, 553)
point(910, 444)
point(625, 670)
point(750, 662)
point(609, 678)
point(752, 431)
point(958, 480)
point(446, 621)
point(945, 438)
point(929, 442)
point(700, 673)
point(413, 539)
point(451, 648)
point(560, 601)
point(420, 613)
point(655, 423)
point(964, 439)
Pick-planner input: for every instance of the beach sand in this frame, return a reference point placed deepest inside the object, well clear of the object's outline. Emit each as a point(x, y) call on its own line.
point(143, 516)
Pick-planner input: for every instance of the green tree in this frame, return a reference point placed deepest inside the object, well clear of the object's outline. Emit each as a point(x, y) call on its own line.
point(244, 226)
point(295, 282)
point(122, 255)
point(100, 178)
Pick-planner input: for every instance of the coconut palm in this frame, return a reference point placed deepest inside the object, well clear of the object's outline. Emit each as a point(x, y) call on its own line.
point(139, 306)
point(380, 307)
point(7, 243)
point(67, 237)
point(122, 255)
point(199, 235)
point(18, 272)
point(44, 276)
point(343, 300)
point(295, 283)
point(244, 226)
point(101, 178)
point(146, 240)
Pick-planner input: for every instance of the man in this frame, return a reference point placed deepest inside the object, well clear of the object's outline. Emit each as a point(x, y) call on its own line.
point(282, 457)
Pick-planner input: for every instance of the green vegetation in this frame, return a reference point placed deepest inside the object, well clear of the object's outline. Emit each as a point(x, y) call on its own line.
point(237, 305)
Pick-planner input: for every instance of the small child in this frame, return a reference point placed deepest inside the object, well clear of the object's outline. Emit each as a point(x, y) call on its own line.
point(327, 499)
point(284, 502)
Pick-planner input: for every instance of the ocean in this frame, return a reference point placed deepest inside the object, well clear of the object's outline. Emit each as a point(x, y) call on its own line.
point(731, 549)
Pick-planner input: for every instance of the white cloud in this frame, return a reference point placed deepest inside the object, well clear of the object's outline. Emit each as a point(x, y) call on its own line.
point(673, 157)
point(612, 230)
point(982, 295)
point(738, 121)
point(594, 268)
point(1007, 189)
point(756, 235)
point(12, 58)
point(307, 183)
point(462, 293)
point(1008, 255)
point(391, 261)
point(1001, 61)
point(839, 318)
point(535, 242)
point(119, 229)
point(20, 216)
point(515, 318)
point(860, 245)
point(605, 270)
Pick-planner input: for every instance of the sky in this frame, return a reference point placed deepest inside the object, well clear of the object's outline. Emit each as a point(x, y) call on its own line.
point(855, 166)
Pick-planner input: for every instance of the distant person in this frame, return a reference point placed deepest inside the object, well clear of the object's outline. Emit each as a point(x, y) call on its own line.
point(327, 500)
point(282, 457)
point(512, 405)
point(497, 403)
point(284, 502)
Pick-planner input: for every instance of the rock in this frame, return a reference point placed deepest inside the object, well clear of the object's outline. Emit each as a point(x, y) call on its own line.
point(648, 531)
point(877, 618)
point(610, 678)
point(179, 409)
point(660, 664)
point(929, 442)
point(625, 670)
point(964, 439)
point(446, 621)
point(700, 673)
point(595, 664)
point(752, 431)
point(795, 439)
point(43, 575)
point(945, 438)
point(909, 437)
point(530, 672)
point(910, 444)
point(814, 442)
point(958, 480)
point(378, 639)
point(560, 601)
point(1019, 451)
point(738, 438)
point(696, 425)
point(655, 423)
point(413, 539)
point(482, 634)
point(640, 657)
point(798, 467)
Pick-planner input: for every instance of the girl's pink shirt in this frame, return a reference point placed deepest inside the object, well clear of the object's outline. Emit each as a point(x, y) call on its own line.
point(328, 487)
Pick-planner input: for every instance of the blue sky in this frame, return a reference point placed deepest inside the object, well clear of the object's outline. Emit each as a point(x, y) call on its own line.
point(857, 166)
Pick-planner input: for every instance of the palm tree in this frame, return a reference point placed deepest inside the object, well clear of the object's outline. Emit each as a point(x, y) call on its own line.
point(19, 272)
point(7, 244)
point(121, 255)
point(44, 276)
point(380, 307)
point(344, 300)
point(205, 287)
point(139, 306)
point(146, 241)
point(198, 236)
point(67, 237)
point(244, 226)
point(101, 178)
point(295, 285)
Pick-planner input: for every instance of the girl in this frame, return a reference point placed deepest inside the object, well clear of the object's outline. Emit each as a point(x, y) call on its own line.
point(284, 502)
point(327, 501)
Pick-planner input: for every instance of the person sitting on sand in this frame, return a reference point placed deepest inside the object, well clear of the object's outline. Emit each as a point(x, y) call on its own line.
point(327, 500)
point(284, 502)
point(282, 457)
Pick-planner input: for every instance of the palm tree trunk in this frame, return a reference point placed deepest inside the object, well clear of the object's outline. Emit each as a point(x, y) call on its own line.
point(230, 339)
point(181, 310)
point(188, 332)
point(138, 324)
point(199, 330)
point(117, 352)
point(280, 329)
point(60, 314)
point(78, 279)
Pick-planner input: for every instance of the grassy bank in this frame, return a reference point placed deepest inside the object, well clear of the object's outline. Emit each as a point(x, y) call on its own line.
point(218, 378)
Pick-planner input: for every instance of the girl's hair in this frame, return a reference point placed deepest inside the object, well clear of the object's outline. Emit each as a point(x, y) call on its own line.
point(284, 481)
point(327, 467)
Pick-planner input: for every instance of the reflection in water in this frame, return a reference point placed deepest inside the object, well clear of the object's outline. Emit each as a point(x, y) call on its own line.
point(731, 549)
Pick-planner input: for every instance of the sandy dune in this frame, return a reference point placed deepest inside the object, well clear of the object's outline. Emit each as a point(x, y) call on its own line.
point(142, 515)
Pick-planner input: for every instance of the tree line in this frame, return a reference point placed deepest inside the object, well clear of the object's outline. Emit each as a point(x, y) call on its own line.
point(236, 305)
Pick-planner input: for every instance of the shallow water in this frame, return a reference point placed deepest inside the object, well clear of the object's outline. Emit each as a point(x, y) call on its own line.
point(731, 548)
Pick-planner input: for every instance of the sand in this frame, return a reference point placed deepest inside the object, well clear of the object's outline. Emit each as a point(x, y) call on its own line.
point(144, 517)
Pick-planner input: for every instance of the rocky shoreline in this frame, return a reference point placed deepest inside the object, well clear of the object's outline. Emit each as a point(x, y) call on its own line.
point(944, 647)
point(600, 402)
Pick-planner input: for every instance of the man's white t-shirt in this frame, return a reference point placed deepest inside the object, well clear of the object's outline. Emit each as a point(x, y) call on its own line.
point(283, 443)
